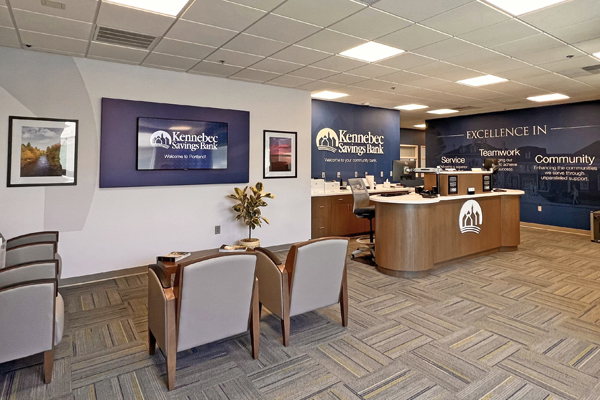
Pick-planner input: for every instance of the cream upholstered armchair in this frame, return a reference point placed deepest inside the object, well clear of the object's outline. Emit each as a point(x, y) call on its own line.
point(32, 314)
point(213, 298)
point(33, 247)
point(314, 276)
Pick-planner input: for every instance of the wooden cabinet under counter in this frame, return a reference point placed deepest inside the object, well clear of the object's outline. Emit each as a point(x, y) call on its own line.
point(333, 216)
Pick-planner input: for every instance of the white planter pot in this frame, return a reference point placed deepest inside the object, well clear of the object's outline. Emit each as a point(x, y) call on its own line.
point(250, 243)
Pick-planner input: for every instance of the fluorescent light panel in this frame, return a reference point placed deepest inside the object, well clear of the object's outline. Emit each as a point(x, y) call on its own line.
point(482, 80)
point(597, 55)
point(371, 52)
point(410, 107)
point(519, 7)
point(168, 7)
point(422, 126)
point(443, 111)
point(326, 94)
point(548, 97)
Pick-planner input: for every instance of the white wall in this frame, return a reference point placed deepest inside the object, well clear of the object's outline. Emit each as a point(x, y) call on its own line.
point(109, 229)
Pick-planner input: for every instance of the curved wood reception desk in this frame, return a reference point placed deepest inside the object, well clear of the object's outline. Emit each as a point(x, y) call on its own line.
point(416, 235)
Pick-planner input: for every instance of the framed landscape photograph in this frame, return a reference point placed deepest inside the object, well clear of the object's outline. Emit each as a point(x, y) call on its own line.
point(42, 151)
point(279, 154)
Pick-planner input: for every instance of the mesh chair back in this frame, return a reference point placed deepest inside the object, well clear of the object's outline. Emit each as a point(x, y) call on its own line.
point(359, 192)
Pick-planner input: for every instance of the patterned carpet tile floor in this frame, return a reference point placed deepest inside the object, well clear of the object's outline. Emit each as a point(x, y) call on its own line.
point(520, 325)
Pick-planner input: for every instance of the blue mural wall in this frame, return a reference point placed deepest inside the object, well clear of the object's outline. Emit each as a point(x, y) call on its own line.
point(351, 139)
point(552, 153)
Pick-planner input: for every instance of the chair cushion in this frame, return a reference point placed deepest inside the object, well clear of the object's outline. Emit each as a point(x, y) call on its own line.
point(59, 319)
point(365, 212)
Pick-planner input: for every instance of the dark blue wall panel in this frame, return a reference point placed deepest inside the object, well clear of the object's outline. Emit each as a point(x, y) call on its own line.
point(548, 152)
point(354, 120)
point(119, 144)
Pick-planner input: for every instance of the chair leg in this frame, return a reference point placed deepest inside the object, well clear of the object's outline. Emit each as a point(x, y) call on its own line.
point(48, 365)
point(151, 343)
point(371, 230)
point(285, 330)
point(259, 310)
point(255, 322)
point(171, 366)
point(344, 299)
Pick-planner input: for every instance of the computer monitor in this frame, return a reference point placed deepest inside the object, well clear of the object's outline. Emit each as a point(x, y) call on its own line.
point(490, 163)
point(403, 170)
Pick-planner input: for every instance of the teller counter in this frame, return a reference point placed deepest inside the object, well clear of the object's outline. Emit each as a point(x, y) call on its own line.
point(416, 235)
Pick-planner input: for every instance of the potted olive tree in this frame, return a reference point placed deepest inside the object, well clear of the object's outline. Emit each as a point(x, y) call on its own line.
point(247, 208)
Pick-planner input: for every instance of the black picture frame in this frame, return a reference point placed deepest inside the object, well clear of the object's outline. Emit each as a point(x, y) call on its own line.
point(283, 169)
point(42, 131)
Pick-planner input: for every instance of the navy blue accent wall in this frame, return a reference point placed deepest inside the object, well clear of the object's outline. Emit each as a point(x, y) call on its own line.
point(552, 153)
point(339, 133)
point(118, 157)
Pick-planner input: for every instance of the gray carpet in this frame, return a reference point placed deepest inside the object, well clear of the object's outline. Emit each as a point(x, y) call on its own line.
point(521, 325)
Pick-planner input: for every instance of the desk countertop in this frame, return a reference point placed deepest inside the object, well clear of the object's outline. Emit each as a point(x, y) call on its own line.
point(414, 198)
point(379, 189)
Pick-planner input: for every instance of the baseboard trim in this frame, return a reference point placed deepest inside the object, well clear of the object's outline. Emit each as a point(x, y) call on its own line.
point(103, 276)
point(552, 228)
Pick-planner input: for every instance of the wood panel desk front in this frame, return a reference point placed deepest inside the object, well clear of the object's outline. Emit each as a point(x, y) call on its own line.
point(416, 235)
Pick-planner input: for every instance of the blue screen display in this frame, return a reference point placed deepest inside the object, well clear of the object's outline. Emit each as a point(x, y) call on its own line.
point(171, 144)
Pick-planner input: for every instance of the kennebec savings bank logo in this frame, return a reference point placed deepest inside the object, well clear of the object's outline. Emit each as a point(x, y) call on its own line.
point(470, 217)
point(179, 141)
point(160, 139)
point(344, 142)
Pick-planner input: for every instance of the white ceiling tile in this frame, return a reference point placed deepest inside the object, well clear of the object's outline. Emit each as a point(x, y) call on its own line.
point(214, 69)
point(375, 84)
point(320, 85)
point(405, 61)
point(591, 46)
point(266, 5)
point(134, 20)
point(401, 77)
point(254, 45)
point(467, 91)
point(344, 79)
point(35, 22)
point(183, 49)
point(500, 66)
point(114, 60)
point(516, 89)
point(446, 49)
point(5, 19)
point(523, 72)
point(549, 55)
point(8, 37)
point(116, 52)
point(40, 41)
point(466, 18)
point(339, 63)
point(331, 42)
point(590, 79)
point(563, 14)
point(503, 32)
point(170, 61)
point(300, 55)
point(200, 33)
point(372, 71)
point(80, 10)
point(475, 58)
point(289, 81)
point(282, 29)
point(570, 64)
point(458, 74)
point(277, 66)
point(427, 82)
point(254, 75)
point(318, 12)
point(435, 68)
point(235, 58)
point(418, 10)
point(413, 37)
point(223, 14)
point(528, 45)
point(547, 81)
point(370, 24)
point(312, 73)
point(580, 32)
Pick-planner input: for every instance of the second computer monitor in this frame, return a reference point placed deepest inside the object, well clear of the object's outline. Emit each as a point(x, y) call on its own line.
point(403, 170)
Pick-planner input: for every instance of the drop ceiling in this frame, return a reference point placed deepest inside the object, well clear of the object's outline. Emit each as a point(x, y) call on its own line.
point(296, 44)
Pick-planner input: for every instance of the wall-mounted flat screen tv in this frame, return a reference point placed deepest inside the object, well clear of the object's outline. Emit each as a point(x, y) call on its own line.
point(175, 144)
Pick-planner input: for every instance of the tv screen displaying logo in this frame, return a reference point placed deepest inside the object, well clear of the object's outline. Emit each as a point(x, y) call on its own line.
point(181, 144)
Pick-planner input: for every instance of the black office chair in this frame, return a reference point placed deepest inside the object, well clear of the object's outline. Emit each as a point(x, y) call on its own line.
point(363, 209)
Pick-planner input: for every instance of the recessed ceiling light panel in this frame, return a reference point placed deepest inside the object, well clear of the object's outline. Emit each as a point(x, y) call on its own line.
point(421, 126)
point(371, 52)
point(519, 7)
point(327, 95)
point(443, 111)
point(597, 55)
point(168, 7)
point(548, 97)
point(411, 107)
point(482, 80)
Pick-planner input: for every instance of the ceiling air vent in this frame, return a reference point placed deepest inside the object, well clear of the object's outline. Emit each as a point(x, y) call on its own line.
point(592, 69)
point(123, 38)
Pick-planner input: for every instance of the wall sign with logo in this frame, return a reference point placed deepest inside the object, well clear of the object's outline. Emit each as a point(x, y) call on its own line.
point(155, 144)
point(552, 153)
point(353, 140)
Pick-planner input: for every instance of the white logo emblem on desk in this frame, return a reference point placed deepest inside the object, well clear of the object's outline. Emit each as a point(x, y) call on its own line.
point(327, 140)
point(470, 217)
point(160, 139)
